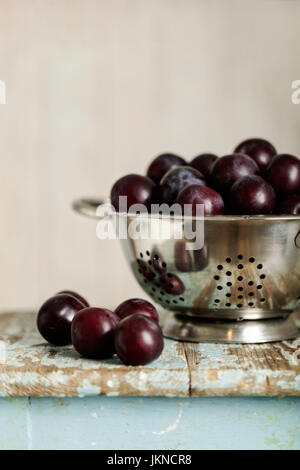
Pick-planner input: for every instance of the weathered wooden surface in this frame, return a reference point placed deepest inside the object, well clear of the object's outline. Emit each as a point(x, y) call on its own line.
point(31, 367)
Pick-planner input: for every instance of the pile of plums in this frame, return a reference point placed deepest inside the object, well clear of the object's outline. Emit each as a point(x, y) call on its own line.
point(132, 330)
point(252, 180)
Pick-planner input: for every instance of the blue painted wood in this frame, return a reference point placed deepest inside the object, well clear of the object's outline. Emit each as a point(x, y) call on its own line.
point(14, 420)
point(31, 367)
point(150, 423)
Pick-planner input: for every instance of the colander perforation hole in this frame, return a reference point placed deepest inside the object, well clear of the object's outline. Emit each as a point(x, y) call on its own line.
point(141, 255)
point(228, 304)
point(217, 301)
point(216, 278)
point(240, 289)
point(228, 260)
point(150, 262)
point(220, 267)
point(219, 287)
point(250, 304)
point(228, 273)
point(181, 298)
point(259, 266)
point(240, 266)
point(240, 296)
point(240, 256)
point(164, 265)
point(251, 294)
point(259, 287)
point(240, 278)
point(262, 299)
point(262, 276)
point(228, 295)
point(147, 253)
point(229, 284)
point(251, 260)
point(239, 305)
point(250, 283)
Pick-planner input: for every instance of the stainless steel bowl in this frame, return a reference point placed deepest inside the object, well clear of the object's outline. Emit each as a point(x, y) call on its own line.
point(248, 269)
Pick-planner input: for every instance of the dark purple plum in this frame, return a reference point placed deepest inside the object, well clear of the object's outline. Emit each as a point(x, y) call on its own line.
point(260, 150)
point(290, 205)
point(195, 194)
point(92, 332)
point(138, 340)
point(203, 163)
point(183, 260)
point(162, 164)
point(171, 284)
point(138, 189)
point(176, 179)
point(77, 296)
point(55, 317)
point(283, 173)
point(137, 306)
point(226, 170)
point(252, 195)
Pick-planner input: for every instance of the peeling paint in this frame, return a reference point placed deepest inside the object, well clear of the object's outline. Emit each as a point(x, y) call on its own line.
point(171, 427)
point(34, 368)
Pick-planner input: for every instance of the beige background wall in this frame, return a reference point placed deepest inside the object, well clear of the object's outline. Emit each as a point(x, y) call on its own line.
point(95, 88)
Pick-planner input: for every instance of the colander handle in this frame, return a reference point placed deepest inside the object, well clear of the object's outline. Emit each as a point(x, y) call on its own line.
point(297, 240)
point(88, 207)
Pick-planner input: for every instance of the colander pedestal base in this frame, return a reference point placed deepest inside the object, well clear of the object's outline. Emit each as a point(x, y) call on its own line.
point(184, 328)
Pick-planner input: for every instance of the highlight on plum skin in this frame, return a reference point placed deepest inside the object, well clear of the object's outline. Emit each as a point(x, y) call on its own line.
point(55, 317)
point(138, 190)
point(176, 179)
point(252, 195)
point(195, 194)
point(138, 340)
point(162, 164)
point(283, 173)
point(228, 169)
point(203, 163)
point(137, 306)
point(260, 150)
point(76, 295)
point(92, 332)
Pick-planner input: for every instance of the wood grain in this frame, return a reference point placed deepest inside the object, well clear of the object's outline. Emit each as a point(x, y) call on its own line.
point(31, 367)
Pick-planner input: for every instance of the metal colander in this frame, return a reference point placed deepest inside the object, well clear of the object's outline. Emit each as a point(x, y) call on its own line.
point(248, 269)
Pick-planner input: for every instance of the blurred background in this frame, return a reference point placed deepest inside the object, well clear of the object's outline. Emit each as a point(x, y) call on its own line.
point(96, 89)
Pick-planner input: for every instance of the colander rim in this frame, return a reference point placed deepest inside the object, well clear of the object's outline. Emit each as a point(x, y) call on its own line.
point(88, 207)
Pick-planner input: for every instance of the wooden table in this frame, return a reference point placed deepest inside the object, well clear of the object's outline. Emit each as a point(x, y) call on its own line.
point(29, 368)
